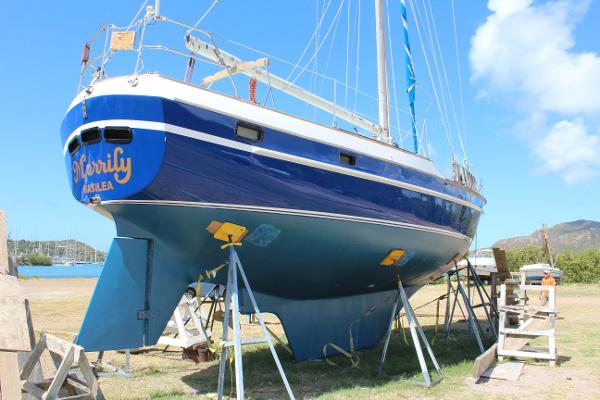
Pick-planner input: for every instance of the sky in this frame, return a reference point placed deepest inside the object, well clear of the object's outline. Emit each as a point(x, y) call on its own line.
point(530, 78)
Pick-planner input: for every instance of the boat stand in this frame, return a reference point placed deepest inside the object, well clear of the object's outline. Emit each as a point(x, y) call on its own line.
point(232, 300)
point(415, 332)
point(106, 370)
point(489, 308)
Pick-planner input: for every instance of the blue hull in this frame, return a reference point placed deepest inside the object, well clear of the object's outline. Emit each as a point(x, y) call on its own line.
point(318, 230)
point(317, 275)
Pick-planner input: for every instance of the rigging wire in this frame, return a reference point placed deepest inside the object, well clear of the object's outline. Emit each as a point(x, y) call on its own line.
point(347, 52)
point(136, 15)
point(329, 53)
point(394, 91)
point(214, 3)
point(458, 69)
point(317, 29)
point(453, 107)
point(437, 69)
point(357, 70)
point(430, 74)
point(334, 22)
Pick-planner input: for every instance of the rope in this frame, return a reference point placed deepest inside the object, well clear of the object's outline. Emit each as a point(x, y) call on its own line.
point(437, 321)
point(281, 342)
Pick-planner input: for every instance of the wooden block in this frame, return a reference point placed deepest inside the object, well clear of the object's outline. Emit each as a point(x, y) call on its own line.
point(484, 361)
point(122, 41)
point(14, 335)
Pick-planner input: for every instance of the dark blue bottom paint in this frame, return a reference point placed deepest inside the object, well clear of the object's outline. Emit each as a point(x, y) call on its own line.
point(317, 275)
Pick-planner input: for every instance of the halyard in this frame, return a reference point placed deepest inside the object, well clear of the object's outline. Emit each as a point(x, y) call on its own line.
point(58, 307)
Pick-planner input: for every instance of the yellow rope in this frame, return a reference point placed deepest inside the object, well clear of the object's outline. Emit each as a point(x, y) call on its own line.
point(353, 354)
point(281, 342)
point(437, 321)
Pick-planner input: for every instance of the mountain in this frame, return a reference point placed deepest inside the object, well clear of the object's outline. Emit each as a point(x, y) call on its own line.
point(569, 236)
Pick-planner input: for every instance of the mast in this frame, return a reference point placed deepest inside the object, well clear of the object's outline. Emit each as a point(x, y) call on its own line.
point(382, 74)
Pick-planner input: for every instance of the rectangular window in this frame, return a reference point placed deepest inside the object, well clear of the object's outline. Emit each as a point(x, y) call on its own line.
point(73, 145)
point(90, 136)
point(118, 135)
point(347, 159)
point(249, 132)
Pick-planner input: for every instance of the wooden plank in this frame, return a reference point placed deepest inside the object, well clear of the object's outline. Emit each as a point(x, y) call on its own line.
point(90, 378)
point(526, 354)
point(61, 375)
point(33, 389)
point(509, 371)
point(34, 356)
point(517, 343)
point(501, 264)
point(236, 69)
point(62, 347)
point(14, 335)
point(3, 245)
point(10, 384)
point(484, 361)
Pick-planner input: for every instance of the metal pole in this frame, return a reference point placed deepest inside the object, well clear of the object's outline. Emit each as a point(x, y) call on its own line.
point(382, 73)
point(223, 358)
point(263, 327)
point(388, 334)
point(237, 338)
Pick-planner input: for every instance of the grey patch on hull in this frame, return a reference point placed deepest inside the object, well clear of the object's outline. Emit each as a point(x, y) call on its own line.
point(263, 236)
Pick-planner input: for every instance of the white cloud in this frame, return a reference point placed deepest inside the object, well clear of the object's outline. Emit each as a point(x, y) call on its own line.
point(524, 52)
point(570, 150)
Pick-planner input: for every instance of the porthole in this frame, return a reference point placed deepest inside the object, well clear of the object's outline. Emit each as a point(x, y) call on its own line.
point(90, 136)
point(347, 159)
point(74, 145)
point(118, 135)
point(249, 132)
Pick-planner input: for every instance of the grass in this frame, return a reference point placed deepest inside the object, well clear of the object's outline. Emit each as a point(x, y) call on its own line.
point(163, 375)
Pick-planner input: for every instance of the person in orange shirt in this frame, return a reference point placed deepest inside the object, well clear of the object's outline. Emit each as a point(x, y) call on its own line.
point(547, 280)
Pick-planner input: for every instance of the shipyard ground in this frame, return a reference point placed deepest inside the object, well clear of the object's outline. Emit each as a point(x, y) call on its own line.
point(58, 307)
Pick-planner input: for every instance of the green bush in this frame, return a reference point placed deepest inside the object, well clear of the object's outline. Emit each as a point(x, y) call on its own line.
point(583, 267)
point(34, 259)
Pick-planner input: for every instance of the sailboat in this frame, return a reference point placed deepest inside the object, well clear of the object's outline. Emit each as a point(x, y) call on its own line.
point(323, 206)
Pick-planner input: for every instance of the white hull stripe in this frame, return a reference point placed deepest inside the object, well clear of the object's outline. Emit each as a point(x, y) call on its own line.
point(287, 211)
point(178, 130)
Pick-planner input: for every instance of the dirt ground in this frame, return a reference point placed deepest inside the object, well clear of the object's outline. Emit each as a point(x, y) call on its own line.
point(58, 306)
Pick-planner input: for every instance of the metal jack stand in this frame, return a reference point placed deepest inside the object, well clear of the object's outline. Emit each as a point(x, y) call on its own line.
point(488, 307)
point(415, 331)
point(106, 370)
point(237, 342)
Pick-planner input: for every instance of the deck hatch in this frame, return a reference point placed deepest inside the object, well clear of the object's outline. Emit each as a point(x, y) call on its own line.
point(249, 132)
point(90, 136)
point(74, 145)
point(118, 135)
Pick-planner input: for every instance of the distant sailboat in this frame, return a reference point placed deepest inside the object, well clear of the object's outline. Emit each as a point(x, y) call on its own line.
point(324, 206)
